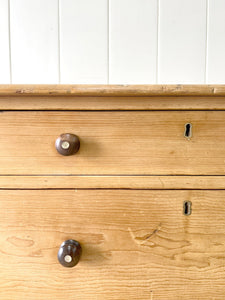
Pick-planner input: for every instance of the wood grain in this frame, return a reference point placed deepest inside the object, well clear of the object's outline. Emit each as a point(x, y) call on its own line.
point(111, 90)
point(112, 182)
point(136, 244)
point(112, 103)
point(113, 143)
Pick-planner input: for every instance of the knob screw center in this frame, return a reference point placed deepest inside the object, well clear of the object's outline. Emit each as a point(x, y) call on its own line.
point(65, 145)
point(68, 258)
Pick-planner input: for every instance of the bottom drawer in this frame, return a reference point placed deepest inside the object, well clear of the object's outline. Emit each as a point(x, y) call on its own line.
point(136, 244)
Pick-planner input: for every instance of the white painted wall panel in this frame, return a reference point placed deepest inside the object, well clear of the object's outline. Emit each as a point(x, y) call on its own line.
point(112, 41)
point(4, 43)
point(34, 41)
point(132, 41)
point(216, 42)
point(84, 41)
point(182, 41)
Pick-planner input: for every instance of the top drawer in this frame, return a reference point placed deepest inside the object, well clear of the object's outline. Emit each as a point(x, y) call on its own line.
point(126, 142)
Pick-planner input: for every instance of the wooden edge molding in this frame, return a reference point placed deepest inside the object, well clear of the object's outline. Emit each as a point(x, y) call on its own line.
point(113, 182)
point(112, 97)
point(111, 103)
point(112, 90)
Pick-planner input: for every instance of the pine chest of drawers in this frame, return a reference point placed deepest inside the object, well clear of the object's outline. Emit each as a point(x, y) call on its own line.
point(112, 192)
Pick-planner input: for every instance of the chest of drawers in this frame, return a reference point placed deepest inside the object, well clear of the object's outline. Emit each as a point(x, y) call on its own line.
point(141, 194)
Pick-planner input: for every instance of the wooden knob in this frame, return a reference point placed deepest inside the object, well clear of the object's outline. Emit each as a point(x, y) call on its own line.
point(69, 253)
point(67, 144)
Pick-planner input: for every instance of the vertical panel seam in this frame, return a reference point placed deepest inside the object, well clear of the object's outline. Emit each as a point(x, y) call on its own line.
point(157, 45)
point(9, 36)
point(108, 41)
point(59, 43)
point(207, 40)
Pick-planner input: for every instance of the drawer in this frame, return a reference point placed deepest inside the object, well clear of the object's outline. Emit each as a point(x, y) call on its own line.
point(136, 244)
point(112, 143)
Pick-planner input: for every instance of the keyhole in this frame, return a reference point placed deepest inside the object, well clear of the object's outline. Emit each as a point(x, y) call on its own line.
point(188, 130)
point(187, 208)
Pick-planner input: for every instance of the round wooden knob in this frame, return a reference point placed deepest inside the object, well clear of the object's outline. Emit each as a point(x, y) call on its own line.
point(69, 253)
point(67, 144)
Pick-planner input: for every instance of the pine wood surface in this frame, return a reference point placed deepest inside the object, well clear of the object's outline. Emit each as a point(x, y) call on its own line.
point(113, 143)
point(121, 196)
point(112, 90)
point(136, 244)
point(112, 182)
point(111, 103)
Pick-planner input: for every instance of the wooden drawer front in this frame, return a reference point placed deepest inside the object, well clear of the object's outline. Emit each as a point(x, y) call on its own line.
point(136, 244)
point(113, 143)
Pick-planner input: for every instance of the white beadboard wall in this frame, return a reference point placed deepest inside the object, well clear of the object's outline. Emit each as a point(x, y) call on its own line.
point(112, 41)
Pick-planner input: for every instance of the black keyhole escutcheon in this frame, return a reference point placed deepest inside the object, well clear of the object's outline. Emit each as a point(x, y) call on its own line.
point(188, 130)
